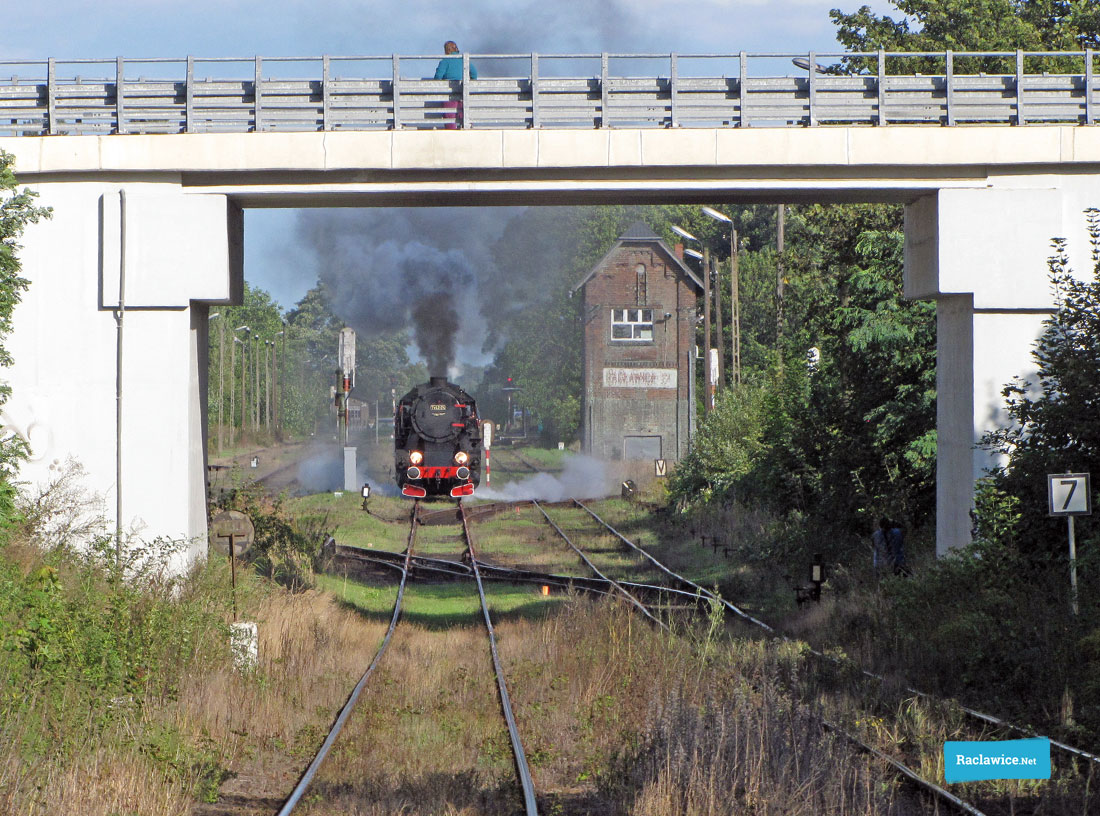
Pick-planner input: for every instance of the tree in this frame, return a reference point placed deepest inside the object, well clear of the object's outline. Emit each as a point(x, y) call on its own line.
point(972, 25)
point(1054, 427)
point(17, 209)
point(539, 339)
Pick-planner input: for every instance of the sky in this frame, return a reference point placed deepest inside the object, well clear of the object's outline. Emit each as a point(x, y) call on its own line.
point(276, 258)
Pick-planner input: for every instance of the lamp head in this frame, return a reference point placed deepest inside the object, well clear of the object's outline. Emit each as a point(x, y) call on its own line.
point(717, 216)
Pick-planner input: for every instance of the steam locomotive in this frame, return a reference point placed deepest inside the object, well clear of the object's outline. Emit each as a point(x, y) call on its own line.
point(437, 441)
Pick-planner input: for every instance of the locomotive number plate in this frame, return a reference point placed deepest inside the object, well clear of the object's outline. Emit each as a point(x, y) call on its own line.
point(438, 408)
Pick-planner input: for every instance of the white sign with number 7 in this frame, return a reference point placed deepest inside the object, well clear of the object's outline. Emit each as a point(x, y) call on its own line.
point(1069, 494)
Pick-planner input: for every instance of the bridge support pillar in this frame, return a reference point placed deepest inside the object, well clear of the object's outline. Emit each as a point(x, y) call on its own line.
point(982, 255)
point(182, 252)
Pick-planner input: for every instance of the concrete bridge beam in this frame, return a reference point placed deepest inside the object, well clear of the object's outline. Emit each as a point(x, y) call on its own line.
point(982, 255)
point(182, 252)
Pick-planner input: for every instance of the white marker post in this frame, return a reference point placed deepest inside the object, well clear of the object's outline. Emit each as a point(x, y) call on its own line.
point(486, 443)
point(1070, 495)
point(712, 379)
point(346, 380)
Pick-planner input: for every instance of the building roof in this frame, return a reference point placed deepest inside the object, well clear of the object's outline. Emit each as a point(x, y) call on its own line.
point(640, 229)
point(640, 233)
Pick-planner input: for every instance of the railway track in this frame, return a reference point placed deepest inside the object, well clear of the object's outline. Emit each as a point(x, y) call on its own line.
point(411, 565)
point(522, 768)
point(353, 698)
point(636, 594)
point(689, 587)
point(907, 773)
point(989, 719)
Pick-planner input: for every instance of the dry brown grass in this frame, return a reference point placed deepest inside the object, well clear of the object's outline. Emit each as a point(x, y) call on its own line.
point(627, 719)
point(616, 717)
point(428, 736)
point(156, 758)
point(312, 652)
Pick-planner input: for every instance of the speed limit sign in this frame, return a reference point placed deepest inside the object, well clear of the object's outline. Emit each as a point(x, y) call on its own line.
point(1069, 494)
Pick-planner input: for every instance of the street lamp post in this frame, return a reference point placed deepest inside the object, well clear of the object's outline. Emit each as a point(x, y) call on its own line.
point(735, 296)
point(233, 366)
point(256, 385)
point(780, 245)
point(280, 381)
point(268, 345)
point(221, 380)
point(719, 338)
point(705, 257)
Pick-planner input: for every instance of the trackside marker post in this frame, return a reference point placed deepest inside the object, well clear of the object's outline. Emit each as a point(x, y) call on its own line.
point(487, 443)
point(1069, 495)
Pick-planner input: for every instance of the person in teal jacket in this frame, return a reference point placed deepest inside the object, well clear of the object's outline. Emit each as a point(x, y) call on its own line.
point(451, 68)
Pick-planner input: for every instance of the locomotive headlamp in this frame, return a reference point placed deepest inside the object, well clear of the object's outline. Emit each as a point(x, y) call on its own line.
point(462, 458)
point(416, 457)
point(413, 472)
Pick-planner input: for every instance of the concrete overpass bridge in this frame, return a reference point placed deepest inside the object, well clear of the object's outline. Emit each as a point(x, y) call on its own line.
point(149, 178)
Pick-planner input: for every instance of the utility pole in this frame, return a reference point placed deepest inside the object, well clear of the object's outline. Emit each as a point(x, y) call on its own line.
point(267, 383)
point(718, 336)
point(275, 374)
point(706, 322)
point(780, 218)
point(233, 390)
point(221, 383)
point(256, 392)
point(244, 383)
point(735, 310)
point(282, 379)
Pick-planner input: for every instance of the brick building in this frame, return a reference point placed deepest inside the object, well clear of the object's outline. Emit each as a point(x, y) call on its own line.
point(639, 344)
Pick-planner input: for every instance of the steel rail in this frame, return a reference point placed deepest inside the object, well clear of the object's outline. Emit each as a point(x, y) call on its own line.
point(677, 576)
point(345, 712)
point(898, 766)
point(989, 718)
point(522, 769)
point(906, 771)
point(634, 601)
point(461, 570)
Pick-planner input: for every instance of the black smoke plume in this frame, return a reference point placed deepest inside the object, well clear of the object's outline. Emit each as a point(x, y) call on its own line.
point(417, 269)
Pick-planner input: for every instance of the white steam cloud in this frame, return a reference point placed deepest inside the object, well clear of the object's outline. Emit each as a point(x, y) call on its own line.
point(582, 477)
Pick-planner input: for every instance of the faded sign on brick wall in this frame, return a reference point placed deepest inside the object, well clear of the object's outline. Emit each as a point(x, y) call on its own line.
point(639, 378)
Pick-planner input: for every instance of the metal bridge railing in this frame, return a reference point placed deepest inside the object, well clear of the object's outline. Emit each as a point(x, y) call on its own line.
point(517, 91)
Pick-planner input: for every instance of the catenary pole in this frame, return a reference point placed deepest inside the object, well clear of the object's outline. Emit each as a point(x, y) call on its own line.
point(780, 219)
point(718, 334)
point(735, 310)
point(233, 391)
point(706, 322)
point(221, 383)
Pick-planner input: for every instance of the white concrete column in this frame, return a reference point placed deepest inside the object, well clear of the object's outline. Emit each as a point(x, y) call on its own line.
point(182, 253)
point(982, 255)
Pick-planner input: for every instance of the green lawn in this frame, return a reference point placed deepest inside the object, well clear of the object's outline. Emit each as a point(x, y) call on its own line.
point(385, 527)
point(440, 606)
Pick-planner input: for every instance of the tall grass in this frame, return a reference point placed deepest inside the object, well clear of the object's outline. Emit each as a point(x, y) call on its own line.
point(648, 723)
point(118, 690)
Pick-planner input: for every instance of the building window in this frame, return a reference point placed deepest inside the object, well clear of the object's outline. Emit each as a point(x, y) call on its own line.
point(640, 270)
point(631, 325)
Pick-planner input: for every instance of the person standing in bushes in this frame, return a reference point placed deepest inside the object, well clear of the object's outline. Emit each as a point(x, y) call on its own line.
point(880, 554)
point(895, 549)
